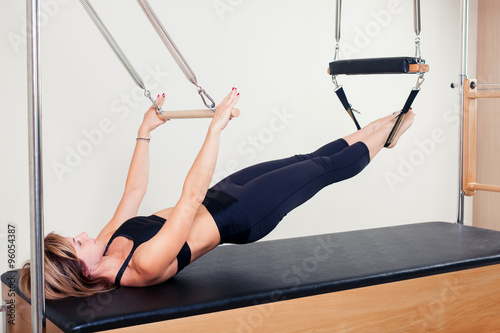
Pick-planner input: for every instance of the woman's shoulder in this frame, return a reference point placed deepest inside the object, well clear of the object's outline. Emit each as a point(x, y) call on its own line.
point(138, 276)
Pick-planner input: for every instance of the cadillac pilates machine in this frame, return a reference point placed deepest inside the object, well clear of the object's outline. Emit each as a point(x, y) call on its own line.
point(431, 276)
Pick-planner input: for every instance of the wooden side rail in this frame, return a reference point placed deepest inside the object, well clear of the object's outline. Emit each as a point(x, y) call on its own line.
point(189, 114)
point(471, 95)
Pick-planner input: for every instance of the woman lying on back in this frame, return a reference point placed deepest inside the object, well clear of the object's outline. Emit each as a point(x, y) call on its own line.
point(244, 207)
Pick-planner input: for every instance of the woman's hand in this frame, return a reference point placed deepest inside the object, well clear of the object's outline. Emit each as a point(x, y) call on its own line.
point(151, 119)
point(223, 111)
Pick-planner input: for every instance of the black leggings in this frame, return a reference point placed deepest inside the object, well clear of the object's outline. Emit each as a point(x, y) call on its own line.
point(250, 203)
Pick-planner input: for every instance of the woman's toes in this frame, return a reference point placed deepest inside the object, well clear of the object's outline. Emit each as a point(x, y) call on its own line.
point(407, 122)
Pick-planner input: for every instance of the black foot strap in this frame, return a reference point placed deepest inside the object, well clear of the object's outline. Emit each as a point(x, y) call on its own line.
point(343, 99)
point(401, 117)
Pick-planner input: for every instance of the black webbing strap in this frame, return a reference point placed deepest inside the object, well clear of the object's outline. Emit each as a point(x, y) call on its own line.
point(343, 99)
point(401, 117)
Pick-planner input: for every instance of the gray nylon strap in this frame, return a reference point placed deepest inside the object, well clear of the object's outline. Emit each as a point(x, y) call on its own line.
point(112, 42)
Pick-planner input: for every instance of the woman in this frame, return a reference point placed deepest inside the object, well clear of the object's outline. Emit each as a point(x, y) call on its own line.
point(244, 207)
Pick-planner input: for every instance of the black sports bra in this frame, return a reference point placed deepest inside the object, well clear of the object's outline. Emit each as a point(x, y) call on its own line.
point(140, 229)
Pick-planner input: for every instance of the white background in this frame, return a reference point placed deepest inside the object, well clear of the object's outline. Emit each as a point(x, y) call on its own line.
point(276, 52)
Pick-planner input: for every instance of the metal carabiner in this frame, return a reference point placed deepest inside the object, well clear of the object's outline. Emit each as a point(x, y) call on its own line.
point(418, 53)
point(159, 110)
point(337, 52)
point(204, 96)
point(334, 80)
point(420, 80)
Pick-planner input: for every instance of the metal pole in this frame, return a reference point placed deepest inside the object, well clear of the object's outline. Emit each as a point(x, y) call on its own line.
point(416, 17)
point(338, 21)
point(35, 158)
point(463, 76)
point(338, 24)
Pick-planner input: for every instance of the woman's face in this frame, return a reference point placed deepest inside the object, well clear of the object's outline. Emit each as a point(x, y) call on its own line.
point(87, 249)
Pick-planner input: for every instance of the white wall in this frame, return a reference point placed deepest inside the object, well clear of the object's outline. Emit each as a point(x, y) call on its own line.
point(276, 52)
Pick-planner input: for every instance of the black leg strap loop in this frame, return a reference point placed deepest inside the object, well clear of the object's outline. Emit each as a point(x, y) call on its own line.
point(401, 117)
point(343, 99)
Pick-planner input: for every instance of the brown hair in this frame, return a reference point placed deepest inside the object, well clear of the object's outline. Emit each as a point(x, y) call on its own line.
point(63, 272)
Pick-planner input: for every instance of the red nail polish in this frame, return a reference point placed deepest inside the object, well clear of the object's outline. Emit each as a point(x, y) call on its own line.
point(237, 94)
point(158, 96)
point(233, 88)
point(163, 94)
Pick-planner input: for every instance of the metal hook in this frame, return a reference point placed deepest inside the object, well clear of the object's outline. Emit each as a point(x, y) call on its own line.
point(334, 80)
point(204, 97)
point(148, 95)
point(418, 53)
point(337, 52)
point(420, 80)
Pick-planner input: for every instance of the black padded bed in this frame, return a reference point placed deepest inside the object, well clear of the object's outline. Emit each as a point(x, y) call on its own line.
point(236, 276)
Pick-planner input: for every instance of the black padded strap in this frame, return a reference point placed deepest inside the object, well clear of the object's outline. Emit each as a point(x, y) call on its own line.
point(401, 117)
point(343, 99)
point(395, 65)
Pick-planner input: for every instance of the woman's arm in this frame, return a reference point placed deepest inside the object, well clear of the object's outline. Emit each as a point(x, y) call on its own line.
point(158, 253)
point(138, 174)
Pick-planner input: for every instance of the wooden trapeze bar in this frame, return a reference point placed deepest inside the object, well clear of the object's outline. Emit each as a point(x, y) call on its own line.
point(189, 114)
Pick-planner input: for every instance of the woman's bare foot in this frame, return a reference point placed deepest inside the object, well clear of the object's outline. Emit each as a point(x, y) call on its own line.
point(407, 122)
point(376, 124)
point(369, 129)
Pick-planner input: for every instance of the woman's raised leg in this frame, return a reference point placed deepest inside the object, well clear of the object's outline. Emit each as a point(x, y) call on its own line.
point(268, 198)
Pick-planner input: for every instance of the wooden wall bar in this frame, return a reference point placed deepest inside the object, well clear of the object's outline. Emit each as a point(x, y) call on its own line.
point(471, 130)
point(486, 206)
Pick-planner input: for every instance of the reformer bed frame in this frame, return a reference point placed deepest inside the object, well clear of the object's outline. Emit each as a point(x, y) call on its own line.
point(439, 277)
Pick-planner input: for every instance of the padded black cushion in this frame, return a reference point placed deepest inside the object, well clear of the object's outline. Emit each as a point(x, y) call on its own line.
point(395, 65)
point(242, 275)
